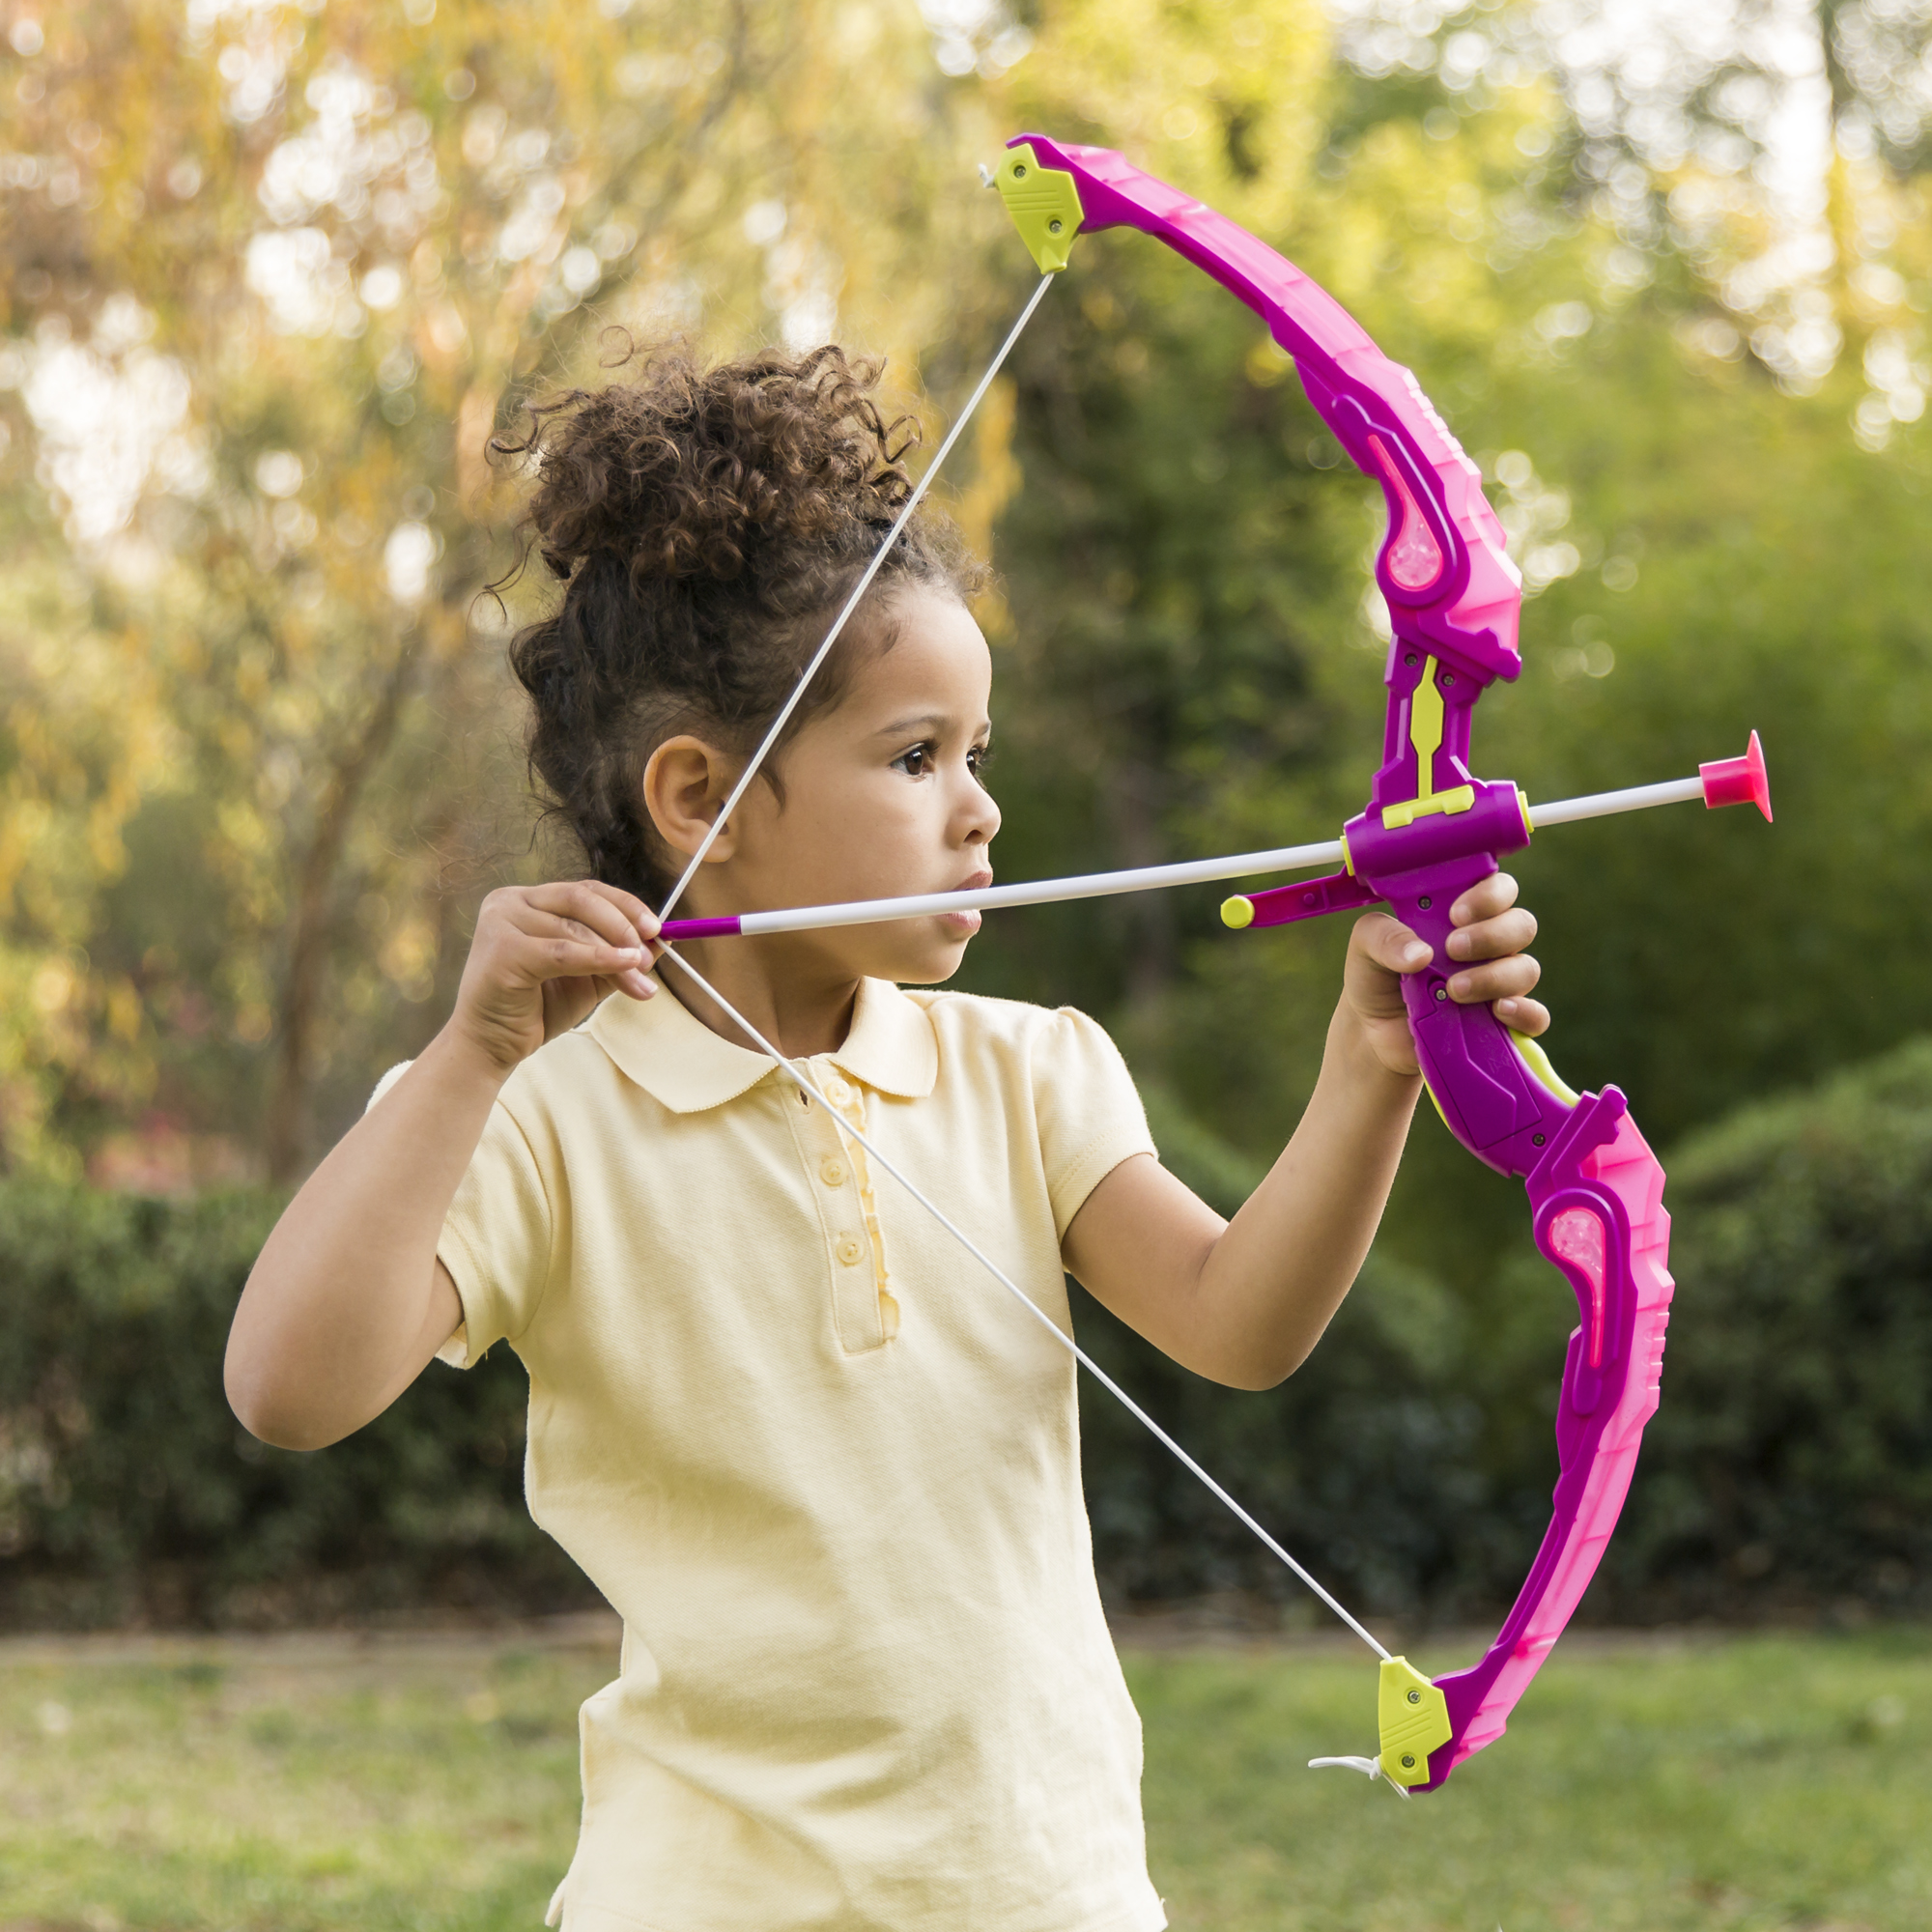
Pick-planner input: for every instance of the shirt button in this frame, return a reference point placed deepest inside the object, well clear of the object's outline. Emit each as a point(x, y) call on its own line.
point(833, 1173)
point(848, 1250)
point(838, 1093)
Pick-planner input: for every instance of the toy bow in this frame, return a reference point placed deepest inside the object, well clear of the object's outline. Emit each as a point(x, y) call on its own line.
point(1431, 829)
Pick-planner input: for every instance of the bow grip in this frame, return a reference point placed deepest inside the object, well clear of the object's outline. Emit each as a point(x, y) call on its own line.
point(1505, 1106)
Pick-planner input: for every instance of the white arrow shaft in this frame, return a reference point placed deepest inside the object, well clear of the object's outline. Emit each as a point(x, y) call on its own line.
point(1602, 803)
point(1189, 872)
point(1045, 892)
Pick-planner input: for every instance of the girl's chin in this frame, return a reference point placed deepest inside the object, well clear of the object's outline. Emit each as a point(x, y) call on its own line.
point(937, 958)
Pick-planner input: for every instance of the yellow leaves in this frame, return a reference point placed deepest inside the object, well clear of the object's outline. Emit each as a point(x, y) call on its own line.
point(251, 676)
point(995, 481)
point(62, 1026)
point(83, 743)
point(1268, 363)
point(124, 1010)
point(105, 851)
point(475, 418)
point(1214, 96)
point(24, 824)
point(54, 985)
point(409, 956)
point(242, 832)
point(1418, 231)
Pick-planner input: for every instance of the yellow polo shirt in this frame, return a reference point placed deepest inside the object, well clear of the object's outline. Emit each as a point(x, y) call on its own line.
point(825, 1469)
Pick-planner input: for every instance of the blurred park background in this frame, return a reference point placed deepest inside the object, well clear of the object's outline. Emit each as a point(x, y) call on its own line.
point(273, 276)
point(275, 272)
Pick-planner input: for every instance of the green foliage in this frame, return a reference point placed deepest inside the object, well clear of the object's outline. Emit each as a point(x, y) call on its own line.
point(127, 1491)
point(1794, 1453)
point(1409, 1460)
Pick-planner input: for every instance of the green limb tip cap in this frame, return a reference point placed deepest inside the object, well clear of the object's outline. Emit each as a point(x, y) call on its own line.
point(1044, 204)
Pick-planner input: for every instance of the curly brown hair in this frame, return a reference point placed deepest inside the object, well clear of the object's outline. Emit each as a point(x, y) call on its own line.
point(707, 525)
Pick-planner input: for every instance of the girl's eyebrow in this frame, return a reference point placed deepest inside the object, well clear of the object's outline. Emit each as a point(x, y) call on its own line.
point(930, 720)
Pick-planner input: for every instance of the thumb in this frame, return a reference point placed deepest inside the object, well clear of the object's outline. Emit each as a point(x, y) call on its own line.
point(1391, 945)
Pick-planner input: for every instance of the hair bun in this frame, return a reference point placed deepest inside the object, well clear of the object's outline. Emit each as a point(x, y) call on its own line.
point(686, 477)
point(706, 523)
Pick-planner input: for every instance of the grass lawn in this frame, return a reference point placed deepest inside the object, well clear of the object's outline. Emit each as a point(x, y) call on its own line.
point(286, 1785)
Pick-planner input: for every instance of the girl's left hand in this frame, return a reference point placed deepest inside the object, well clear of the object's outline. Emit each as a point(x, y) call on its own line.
point(1490, 932)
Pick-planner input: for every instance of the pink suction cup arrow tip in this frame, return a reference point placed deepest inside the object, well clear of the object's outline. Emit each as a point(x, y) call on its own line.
point(1738, 781)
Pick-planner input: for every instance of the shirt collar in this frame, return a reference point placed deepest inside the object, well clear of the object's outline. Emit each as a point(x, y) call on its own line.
point(677, 1059)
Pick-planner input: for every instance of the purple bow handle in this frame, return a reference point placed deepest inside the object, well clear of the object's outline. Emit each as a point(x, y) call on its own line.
point(1430, 831)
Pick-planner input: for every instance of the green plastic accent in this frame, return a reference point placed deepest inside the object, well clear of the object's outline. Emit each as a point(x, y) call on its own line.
point(1044, 204)
point(1412, 1716)
point(1538, 1062)
point(1425, 730)
point(1238, 912)
point(1458, 798)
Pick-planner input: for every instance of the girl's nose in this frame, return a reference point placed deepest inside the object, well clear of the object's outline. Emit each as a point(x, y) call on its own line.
point(983, 816)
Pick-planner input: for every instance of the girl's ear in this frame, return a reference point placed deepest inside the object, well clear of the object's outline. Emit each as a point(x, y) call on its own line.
point(684, 784)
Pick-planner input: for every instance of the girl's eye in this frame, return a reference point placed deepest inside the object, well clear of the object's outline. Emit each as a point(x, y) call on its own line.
point(922, 761)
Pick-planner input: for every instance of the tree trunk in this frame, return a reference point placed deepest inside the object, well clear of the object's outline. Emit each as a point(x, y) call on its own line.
point(286, 1124)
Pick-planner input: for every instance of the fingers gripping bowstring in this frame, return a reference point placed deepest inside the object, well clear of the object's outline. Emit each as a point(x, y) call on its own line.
point(859, 590)
point(803, 1080)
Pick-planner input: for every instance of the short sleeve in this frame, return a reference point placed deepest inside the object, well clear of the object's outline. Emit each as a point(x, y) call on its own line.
point(1087, 1108)
point(495, 1239)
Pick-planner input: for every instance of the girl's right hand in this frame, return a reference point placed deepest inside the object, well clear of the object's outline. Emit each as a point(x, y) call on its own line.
point(542, 959)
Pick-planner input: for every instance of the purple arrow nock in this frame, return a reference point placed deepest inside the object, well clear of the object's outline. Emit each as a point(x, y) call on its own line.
point(675, 929)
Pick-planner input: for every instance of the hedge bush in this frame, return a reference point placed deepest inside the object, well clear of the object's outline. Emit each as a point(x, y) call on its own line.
point(1790, 1467)
point(129, 1494)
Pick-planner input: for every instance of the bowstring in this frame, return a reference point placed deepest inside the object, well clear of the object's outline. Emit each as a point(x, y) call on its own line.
point(859, 590)
point(1019, 1294)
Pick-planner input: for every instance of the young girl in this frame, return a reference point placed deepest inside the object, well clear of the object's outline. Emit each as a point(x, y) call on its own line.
point(824, 1469)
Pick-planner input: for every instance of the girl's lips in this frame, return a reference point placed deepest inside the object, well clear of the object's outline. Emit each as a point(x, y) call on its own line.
point(964, 924)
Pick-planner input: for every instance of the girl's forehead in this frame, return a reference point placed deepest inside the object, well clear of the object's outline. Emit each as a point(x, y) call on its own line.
point(937, 647)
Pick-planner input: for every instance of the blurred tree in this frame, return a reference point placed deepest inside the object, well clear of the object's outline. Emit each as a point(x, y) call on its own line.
point(276, 274)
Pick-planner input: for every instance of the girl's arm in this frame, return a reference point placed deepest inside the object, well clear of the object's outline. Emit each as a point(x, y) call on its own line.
point(1243, 1301)
point(347, 1301)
